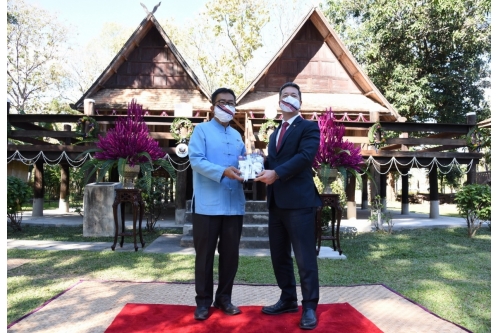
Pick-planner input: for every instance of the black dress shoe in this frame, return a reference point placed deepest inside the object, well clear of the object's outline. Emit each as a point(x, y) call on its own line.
point(308, 320)
point(281, 307)
point(201, 313)
point(227, 308)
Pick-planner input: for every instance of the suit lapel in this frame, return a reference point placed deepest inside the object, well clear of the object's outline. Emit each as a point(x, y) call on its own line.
point(290, 129)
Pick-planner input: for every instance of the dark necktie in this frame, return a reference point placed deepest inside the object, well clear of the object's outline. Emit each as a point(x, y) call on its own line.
point(282, 134)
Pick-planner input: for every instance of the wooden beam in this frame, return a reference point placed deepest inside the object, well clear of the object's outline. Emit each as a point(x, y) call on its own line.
point(38, 133)
point(439, 148)
point(239, 125)
point(427, 141)
point(419, 154)
point(357, 139)
point(32, 140)
point(51, 148)
point(161, 135)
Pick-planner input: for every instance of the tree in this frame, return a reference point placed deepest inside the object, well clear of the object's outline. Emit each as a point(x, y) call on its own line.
point(222, 40)
point(474, 204)
point(451, 176)
point(90, 61)
point(230, 42)
point(430, 58)
point(34, 53)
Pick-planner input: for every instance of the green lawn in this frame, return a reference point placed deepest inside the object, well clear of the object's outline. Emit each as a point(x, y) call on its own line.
point(73, 234)
point(441, 269)
point(444, 209)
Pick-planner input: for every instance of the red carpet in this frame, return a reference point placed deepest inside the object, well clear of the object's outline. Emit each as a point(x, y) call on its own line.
point(340, 317)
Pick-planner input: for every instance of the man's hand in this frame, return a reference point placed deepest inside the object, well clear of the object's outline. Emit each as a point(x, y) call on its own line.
point(267, 176)
point(232, 173)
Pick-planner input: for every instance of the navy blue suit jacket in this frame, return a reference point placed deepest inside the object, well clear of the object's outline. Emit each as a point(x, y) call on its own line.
point(295, 188)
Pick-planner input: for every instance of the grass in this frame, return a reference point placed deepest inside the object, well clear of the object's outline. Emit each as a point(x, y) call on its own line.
point(48, 204)
point(444, 209)
point(441, 269)
point(74, 234)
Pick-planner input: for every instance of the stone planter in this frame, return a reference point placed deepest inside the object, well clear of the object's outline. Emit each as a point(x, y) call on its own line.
point(98, 217)
point(327, 176)
point(130, 174)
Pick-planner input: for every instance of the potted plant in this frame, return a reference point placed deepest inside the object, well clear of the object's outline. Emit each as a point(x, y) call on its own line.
point(334, 153)
point(128, 147)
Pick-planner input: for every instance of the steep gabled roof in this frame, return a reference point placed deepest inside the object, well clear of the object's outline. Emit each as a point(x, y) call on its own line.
point(315, 58)
point(123, 79)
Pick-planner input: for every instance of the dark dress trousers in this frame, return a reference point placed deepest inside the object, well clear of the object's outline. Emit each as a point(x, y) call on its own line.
point(292, 200)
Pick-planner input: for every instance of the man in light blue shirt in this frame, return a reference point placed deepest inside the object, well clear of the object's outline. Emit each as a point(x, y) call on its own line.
point(218, 204)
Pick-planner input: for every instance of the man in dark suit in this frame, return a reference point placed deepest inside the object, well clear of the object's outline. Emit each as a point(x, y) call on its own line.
point(292, 199)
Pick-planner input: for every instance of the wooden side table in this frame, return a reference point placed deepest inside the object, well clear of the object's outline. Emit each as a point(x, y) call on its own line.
point(333, 201)
point(132, 196)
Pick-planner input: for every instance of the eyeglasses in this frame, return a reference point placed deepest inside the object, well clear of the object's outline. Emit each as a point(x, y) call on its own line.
point(224, 102)
point(285, 95)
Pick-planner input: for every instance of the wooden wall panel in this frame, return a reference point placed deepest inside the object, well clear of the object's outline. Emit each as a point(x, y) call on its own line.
point(151, 65)
point(310, 62)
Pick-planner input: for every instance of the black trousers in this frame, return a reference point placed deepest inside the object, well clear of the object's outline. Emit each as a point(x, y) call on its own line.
point(207, 229)
point(294, 228)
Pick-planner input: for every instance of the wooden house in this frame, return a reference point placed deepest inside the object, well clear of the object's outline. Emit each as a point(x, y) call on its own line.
point(151, 70)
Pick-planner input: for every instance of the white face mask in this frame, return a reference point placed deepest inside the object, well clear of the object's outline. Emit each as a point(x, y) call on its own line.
point(224, 113)
point(289, 104)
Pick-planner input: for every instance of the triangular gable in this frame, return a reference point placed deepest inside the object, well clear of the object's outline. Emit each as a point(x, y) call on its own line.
point(148, 67)
point(315, 58)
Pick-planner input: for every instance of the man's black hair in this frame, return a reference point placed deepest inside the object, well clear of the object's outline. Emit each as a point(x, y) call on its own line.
point(291, 84)
point(222, 91)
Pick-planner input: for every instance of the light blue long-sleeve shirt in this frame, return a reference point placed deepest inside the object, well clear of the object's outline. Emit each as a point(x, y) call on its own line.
point(212, 148)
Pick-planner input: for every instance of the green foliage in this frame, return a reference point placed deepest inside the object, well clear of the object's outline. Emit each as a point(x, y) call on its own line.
point(222, 40)
point(18, 193)
point(89, 61)
point(451, 176)
point(76, 181)
point(378, 218)
point(239, 23)
point(474, 204)
point(430, 60)
point(337, 187)
point(155, 198)
point(34, 55)
point(52, 180)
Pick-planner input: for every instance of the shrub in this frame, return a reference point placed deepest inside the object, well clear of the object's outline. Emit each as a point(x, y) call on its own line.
point(474, 204)
point(18, 193)
point(154, 199)
point(378, 218)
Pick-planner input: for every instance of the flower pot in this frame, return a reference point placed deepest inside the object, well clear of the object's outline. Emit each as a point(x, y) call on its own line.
point(130, 174)
point(327, 176)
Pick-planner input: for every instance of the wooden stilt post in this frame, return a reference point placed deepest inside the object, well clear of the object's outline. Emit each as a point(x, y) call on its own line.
point(433, 193)
point(88, 110)
point(374, 184)
point(39, 189)
point(364, 192)
point(64, 185)
point(64, 189)
point(383, 191)
point(471, 175)
point(351, 196)
point(405, 202)
point(180, 197)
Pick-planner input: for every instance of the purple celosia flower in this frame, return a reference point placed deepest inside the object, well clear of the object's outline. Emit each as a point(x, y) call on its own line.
point(333, 150)
point(128, 138)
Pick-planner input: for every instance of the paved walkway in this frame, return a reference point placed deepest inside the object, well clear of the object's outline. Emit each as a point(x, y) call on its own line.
point(170, 243)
